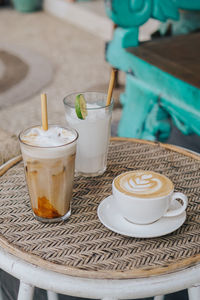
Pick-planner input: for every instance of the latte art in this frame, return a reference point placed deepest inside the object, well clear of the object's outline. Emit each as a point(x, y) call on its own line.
point(143, 184)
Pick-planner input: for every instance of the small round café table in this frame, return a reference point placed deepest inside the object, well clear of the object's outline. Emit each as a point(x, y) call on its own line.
point(82, 257)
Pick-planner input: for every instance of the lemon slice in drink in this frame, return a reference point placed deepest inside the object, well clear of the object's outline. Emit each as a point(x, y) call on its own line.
point(80, 107)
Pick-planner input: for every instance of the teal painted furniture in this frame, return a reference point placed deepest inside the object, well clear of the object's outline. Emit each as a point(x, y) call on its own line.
point(27, 6)
point(163, 75)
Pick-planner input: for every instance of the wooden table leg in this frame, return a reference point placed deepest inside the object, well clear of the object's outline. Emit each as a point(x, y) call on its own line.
point(194, 293)
point(26, 291)
point(52, 296)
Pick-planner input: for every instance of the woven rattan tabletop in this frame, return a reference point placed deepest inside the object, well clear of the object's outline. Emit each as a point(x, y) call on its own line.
point(82, 246)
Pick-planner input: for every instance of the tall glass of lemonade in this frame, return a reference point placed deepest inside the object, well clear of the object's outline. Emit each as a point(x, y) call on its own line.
point(88, 113)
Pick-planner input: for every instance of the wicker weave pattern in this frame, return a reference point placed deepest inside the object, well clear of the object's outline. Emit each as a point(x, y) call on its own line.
point(82, 245)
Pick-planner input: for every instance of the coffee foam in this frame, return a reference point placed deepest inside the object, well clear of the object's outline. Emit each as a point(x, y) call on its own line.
point(35, 142)
point(54, 136)
point(143, 184)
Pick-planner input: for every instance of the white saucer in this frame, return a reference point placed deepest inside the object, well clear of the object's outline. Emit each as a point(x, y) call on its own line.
point(111, 218)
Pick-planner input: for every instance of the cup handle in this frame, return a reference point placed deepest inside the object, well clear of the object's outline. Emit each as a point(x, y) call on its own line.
point(178, 211)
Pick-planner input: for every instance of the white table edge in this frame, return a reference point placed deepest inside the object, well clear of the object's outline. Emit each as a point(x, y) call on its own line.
point(98, 288)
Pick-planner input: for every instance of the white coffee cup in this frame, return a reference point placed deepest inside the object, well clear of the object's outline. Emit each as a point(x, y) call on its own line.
point(143, 197)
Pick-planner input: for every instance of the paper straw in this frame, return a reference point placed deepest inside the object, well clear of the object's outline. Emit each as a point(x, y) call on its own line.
point(44, 111)
point(111, 86)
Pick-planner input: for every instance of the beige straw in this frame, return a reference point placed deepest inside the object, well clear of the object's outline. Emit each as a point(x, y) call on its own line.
point(111, 86)
point(44, 111)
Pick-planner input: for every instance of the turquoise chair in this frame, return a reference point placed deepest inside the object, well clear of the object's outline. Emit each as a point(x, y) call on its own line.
point(27, 6)
point(162, 75)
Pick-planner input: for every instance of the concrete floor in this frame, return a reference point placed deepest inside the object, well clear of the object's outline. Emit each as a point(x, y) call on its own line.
point(76, 55)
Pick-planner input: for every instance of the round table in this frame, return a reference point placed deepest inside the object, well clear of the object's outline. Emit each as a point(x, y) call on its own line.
point(83, 258)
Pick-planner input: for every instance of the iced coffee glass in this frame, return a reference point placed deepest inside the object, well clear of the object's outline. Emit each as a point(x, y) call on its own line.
point(94, 132)
point(49, 160)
